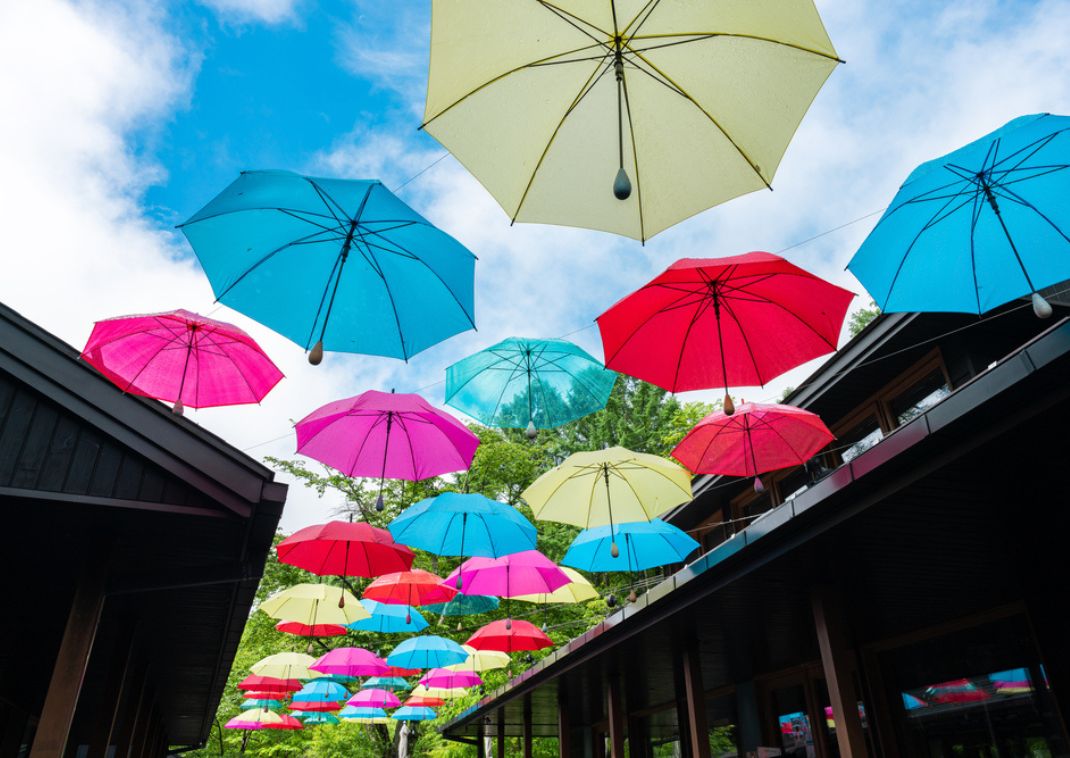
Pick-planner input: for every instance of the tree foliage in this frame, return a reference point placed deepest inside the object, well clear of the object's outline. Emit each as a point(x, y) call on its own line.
point(861, 318)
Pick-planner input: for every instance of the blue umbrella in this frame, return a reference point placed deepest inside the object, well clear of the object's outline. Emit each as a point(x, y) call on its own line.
point(339, 678)
point(319, 691)
point(313, 717)
point(386, 683)
point(271, 705)
point(465, 605)
point(387, 618)
point(414, 713)
point(978, 227)
point(521, 382)
point(464, 524)
point(427, 652)
point(333, 264)
point(642, 545)
point(351, 712)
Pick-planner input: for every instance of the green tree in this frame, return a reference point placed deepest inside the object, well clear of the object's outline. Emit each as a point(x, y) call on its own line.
point(861, 318)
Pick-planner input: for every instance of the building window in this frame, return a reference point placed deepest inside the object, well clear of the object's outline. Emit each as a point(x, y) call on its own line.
point(919, 397)
point(860, 438)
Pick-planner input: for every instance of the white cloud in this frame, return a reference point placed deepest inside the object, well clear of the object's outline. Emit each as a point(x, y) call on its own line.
point(246, 11)
point(386, 43)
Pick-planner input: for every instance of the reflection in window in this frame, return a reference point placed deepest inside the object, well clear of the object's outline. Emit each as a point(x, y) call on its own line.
point(795, 735)
point(860, 438)
point(920, 397)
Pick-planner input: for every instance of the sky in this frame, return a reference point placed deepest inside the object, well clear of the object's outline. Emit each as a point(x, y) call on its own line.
point(121, 118)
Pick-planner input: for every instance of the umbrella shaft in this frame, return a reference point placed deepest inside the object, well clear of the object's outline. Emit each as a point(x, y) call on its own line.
point(1006, 232)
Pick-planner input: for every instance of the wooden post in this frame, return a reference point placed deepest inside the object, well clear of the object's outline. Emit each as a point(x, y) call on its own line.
point(695, 697)
point(68, 673)
point(836, 657)
point(500, 736)
point(564, 726)
point(115, 688)
point(615, 716)
point(527, 727)
point(481, 750)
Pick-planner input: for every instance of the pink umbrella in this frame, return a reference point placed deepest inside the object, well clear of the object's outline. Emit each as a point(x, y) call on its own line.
point(351, 661)
point(182, 358)
point(386, 435)
point(448, 680)
point(374, 698)
point(525, 573)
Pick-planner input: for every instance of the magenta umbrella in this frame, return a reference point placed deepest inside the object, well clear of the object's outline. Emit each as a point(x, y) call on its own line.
point(386, 435)
point(448, 680)
point(526, 573)
point(350, 661)
point(374, 698)
point(183, 358)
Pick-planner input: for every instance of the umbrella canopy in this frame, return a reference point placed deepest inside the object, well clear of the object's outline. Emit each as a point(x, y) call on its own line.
point(285, 666)
point(342, 548)
point(255, 719)
point(723, 322)
point(318, 706)
point(387, 618)
point(506, 637)
point(411, 713)
point(423, 701)
point(333, 264)
point(416, 587)
point(308, 717)
point(978, 227)
point(314, 604)
point(450, 678)
point(464, 524)
point(421, 693)
point(386, 683)
point(401, 671)
point(350, 661)
point(675, 107)
point(481, 660)
point(522, 382)
point(314, 630)
point(521, 573)
point(578, 590)
point(642, 545)
point(319, 690)
point(426, 652)
point(465, 605)
point(183, 358)
point(265, 684)
point(371, 715)
point(374, 698)
point(268, 703)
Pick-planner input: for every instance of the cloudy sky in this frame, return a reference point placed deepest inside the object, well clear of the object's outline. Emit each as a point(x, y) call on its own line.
point(121, 118)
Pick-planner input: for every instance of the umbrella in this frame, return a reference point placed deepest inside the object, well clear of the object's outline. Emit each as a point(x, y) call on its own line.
point(521, 382)
point(644, 544)
point(978, 227)
point(183, 358)
point(319, 690)
point(450, 678)
point(315, 630)
point(319, 706)
point(318, 718)
point(371, 715)
point(401, 671)
point(387, 436)
point(374, 698)
point(337, 678)
point(550, 105)
point(416, 587)
point(388, 618)
point(333, 264)
point(413, 713)
point(596, 488)
point(314, 604)
point(465, 605)
point(285, 666)
point(423, 694)
point(253, 720)
point(464, 524)
point(481, 660)
point(269, 684)
point(350, 661)
point(755, 439)
point(521, 573)
point(509, 638)
point(578, 590)
point(342, 548)
point(423, 701)
point(386, 683)
point(425, 652)
point(268, 703)
point(721, 322)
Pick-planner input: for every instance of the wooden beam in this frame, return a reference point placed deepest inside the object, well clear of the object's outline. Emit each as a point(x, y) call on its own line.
point(615, 716)
point(564, 725)
point(836, 660)
point(116, 680)
point(527, 727)
point(68, 673)
point(695, 699)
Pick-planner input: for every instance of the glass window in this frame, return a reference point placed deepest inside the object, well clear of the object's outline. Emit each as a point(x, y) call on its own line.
point(796, 734)
point(721, 723)
point(921, 396)
point(860, 438)
point(793, 484)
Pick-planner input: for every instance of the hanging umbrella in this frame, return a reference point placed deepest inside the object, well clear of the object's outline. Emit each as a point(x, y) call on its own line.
point(423, 701)
point(285, 666)
point(337, 678)
point(578, 590)
point(315, 706)
point(183, 358)
point(342, 548)
point(416, 587)
point(269, 684)
point(368, 715)
point(314, 604)
point(421, 693)
point(509, 638)
point(319, 690)
point(691, 104)
point(450, 678)
point(267, 703)
point(978, 227)
point(603, 486)
point(386, 683)
point(386, 436)
point(298, 629)
point(350, 661)
point(644, 545)
point(387, 618)
point(374, 698)
point(755, 439)
point(464, 524)
point(723, 322)
point(253, 720)
point(481, 660)
point(465, 605)
point(411, 713)
point(426, 652)
point(521, 573)
point(521, 382)
point(333, 264)
point(318, 718)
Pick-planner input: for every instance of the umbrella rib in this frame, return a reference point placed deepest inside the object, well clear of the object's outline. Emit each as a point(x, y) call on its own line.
point(572, 19)
point(756, 298)
point(377, 268)
point(644, 322)
point(306, 240)
point(647, 9)
point(323, 299)
point(731, 424)
point(702, 36)
point(702, 306)
point(638, 499)
point(746, 341)
point(1043, 171)
point(327, 199)
point(783, 439)
point(578, 381)
point(635, 156)
point(234, 363)
point(1014, 197)
point(412, 451)
point(663, 475)
point(975, 217)
point(501, 395)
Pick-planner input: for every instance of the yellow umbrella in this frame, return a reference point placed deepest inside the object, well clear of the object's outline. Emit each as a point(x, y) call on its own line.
point(314, 604)
point(550, 105)
point(286, 666)
point(484, 660)
point(578, 590)
point(444, 693)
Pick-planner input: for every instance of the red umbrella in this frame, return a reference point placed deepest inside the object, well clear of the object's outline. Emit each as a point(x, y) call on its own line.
point(254, 683)
point(723, 322)
point(416, 587)
point(398, 671)
point(314, 706)
point(756, 439)
point(315, 630)
point(288, 722)
point(422, 701)
point(341, 548)
point(503, 637)
point(256, 695)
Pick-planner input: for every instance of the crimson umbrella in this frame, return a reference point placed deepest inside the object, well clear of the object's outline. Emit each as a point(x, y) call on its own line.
point(342, 548)
point(509, 638)
point(723, 322)
point(310, 630)
point(254, 683)
point(315, 706)
point(424, 701)
point(416, 587)
point(756, 439)
point(402, 672)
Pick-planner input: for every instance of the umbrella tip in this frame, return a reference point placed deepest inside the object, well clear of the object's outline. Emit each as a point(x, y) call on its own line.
point(614, 550)
point(315, 356)
point(1041, 307)
point(611, 601)
point(178, 409)
point(379, 504)
point(729, 407)
point(531, 431)
point(632, 596)
point(508, 624)
point(758, 486)
point(622, 185)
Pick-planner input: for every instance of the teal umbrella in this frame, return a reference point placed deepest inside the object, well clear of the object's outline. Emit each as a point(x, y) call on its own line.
point(313, 717)
point(388, 618)
point(386, 683)
point(537, 384)
point(465, 605)
point(271, 705)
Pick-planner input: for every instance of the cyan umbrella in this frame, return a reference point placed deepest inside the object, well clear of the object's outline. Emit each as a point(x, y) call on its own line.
point(320, 691)
point(465, 525)
point(312, 717)
point(271, 705)
point(978, 227)
point(642, 545)
point(333, 264)
point(386, 683)
point(426, 652)
point(361, 714)
point(521, 382)
point(414, 713)
point(465, 605)
point(387, 618)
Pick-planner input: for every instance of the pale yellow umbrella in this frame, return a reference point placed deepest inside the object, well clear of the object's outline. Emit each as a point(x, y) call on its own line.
point(286, 666)
point(561, 109)
point(578, 590)
point(314, 604)
point(442, 693)
point(483, 660)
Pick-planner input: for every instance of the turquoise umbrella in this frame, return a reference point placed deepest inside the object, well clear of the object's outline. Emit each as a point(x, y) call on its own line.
point(388, 618)
point(271, 705)
point(414, 713)
point(359, 714)
point(464, 524)
point(313, 717)
point(465, 605)
point(426, 652)
point(386, 683)
point(321, 691)
point(642, 545)
point(521, 382)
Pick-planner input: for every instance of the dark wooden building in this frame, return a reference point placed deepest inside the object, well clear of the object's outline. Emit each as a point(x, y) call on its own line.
point(901, 595)
point(133, 542)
